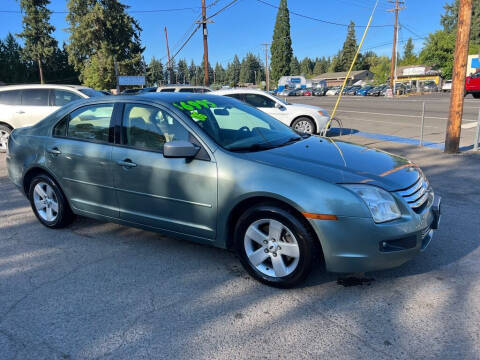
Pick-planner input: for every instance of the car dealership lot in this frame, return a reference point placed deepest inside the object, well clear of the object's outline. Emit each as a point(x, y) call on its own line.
point(400, 117)
point(99, 290)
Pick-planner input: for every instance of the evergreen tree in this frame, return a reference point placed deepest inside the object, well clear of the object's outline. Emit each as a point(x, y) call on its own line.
point(250, 69)
point(59, 69)
point(101, 32)
point(37, 32)
point(450, 18)
point(366, 61)
point(192, 69)
point(306, 67)
point(349, 49)
point(155, 72)
point(233, 71)
point(409, 57)
point(295, 66)
point(182, 71)
point(281, 48)
point(220, 77)
point(321, 66)
point(12, 69)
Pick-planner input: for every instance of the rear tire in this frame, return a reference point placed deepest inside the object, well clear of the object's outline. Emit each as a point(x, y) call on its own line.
point(274, 246)
point(476, 96)
point(4, 135)
point(48, 202)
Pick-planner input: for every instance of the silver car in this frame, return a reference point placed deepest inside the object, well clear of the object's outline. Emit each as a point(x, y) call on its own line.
point(214, 170)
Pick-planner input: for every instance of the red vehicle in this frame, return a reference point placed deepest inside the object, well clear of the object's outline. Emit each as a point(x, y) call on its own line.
point(307, 93)
point(472, 85)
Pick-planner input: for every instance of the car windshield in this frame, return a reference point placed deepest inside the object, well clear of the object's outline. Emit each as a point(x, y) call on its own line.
point(236, 126)
point(281, 100)
point(91, 93)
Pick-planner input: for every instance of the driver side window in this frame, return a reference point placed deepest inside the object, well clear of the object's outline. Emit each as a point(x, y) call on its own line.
point(259, 101)
point(149, 128)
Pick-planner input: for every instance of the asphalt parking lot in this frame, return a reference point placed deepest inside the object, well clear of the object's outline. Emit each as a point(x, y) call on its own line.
point(103, 291)
point(399, 118)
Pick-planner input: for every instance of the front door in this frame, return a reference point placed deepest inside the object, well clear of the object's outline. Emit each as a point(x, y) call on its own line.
point(176, 195)
point(268, 106)
point(81, 157)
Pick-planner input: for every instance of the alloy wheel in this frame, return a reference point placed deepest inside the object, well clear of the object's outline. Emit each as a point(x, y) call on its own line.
point(46, 202)
point(271, 248)
point(304, 126)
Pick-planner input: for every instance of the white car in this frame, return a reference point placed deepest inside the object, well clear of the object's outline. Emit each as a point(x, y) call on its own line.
point(333, 91)
point(447, 86)
point(183, 88)
point(25, 105)
point(303, 118)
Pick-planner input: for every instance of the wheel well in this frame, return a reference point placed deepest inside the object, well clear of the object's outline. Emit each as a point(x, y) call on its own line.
point(308, 117)
point(31, 173)
point(7, 125)
point(245, 204)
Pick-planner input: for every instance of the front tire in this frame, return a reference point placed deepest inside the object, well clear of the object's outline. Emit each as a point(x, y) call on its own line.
point(274, 246)
point(48, 202)
point(304, 125)
point(4, 135)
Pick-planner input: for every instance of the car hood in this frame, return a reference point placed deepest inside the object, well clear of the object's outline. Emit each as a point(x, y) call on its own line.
point(305, 106)
point(341, 162)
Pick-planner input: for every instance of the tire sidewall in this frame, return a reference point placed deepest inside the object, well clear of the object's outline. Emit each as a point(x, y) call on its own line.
point(62, 215)
point(6, 128)
point(303, 237)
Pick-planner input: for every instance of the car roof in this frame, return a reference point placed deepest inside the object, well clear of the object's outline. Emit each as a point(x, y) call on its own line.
point(41, 86)
point(183, 86)
point(239, 91)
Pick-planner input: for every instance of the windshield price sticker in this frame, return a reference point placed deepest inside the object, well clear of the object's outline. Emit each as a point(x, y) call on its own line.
point(193, 106)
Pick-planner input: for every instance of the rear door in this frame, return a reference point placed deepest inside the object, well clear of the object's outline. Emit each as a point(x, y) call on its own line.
point(176, 195)
point(10, 100)
point(81, 157)
point(35, 106)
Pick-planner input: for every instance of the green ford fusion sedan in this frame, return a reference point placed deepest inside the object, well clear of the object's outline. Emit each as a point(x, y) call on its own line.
point(214, 170)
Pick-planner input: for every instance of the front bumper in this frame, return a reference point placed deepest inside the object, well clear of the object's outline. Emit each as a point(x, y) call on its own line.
point(353, 245)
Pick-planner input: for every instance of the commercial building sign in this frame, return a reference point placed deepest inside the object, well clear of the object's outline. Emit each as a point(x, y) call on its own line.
point(131, 80)
point(413, 71)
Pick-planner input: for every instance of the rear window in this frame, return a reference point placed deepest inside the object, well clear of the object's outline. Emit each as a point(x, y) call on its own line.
point(185, 90)
point(167, 90)
point(63, 97)
point(10, 97)
point(35, 97)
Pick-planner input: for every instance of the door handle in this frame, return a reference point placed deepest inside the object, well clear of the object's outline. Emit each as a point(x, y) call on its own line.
point(20, 112)
point(54, 151)
point(126, 163)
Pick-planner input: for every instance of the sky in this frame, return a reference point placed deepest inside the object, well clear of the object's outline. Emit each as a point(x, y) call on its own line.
point(247, 24)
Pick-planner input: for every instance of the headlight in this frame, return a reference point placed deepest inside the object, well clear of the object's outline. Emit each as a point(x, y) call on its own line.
point(323, 112)
point(382, 205)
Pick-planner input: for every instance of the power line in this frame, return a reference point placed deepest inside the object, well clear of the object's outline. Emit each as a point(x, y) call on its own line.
point(319, 20)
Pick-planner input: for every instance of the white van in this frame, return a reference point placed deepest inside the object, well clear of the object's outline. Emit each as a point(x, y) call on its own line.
point(25, 105)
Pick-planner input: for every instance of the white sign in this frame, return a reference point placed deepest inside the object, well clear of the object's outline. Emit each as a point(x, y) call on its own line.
point(412, 71)
point(131, 80)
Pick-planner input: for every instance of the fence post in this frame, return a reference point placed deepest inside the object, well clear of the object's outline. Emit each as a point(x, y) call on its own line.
point(477, 134)
point(423, 124)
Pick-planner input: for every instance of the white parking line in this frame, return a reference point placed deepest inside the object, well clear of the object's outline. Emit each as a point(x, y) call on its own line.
point(469, 125)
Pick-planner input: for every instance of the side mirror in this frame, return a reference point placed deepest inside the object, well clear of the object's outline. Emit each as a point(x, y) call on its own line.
point(180, 149)
point(279, 106)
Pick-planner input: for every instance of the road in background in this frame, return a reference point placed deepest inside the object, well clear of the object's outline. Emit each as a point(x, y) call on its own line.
point(399, 117)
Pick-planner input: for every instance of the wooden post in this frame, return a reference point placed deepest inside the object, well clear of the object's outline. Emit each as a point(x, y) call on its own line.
point(452, 139)
point(205, 44)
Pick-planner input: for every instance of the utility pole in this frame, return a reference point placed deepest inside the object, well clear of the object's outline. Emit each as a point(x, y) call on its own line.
point(394, 46)
point(169, 64)
point(267, 71)
point(452, 139)
point(205, 42)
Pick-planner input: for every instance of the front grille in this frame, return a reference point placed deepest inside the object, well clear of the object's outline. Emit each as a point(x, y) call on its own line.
point(417, 194)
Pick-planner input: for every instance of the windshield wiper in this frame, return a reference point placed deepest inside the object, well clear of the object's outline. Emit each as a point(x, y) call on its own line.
point(254, 147)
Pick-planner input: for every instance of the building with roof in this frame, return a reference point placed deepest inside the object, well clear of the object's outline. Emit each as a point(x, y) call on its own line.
point(337, 78)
